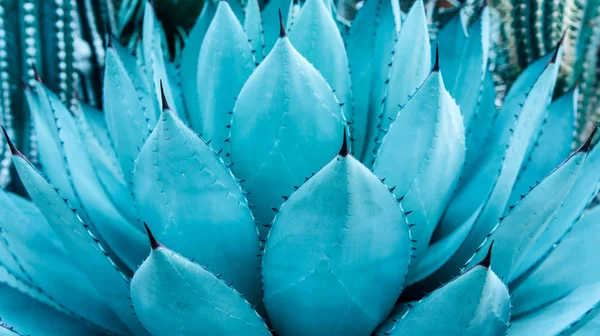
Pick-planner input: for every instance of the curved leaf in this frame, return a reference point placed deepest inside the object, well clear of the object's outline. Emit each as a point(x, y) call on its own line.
point(170, 293)
point(553, 145)
point(408, 69)
point(127, 122)
point(190, 55)
point(30, 317)
point(191, 200)
point(315, 283)
point(254, 29)
point(317, 38)
point(464, 60)
point(573, 264)
point(286, 125)
point(421, 157)
point(224, 65)
point(475, 303)
point(579, 198)
point(153, 55)
point(561, 317)
point(370, 43)
point(530, 216)
point(122, 237)
point(492, 182)
point(43, 261)
point(84, 249)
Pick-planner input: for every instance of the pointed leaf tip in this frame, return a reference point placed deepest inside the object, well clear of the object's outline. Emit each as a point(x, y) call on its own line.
point(11, 145)
point(281, 26)
point(558, 45)
point(153, 242)
point(25, 85)
point(436, 64)
point(488, 258)
point(36, 74)
point(585, 147)
point(344, 150)
point(165, 104)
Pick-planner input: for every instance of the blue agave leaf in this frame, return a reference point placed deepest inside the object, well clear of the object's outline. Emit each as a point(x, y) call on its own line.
point(122, 237)
point(464, 61)
point(317, 38)
point(292, 15)
point(407, 70)
point(484, 308)
point(42, 260)
point(311, 268)
point(128, 122)
point(562, 317)
point(84, 249)
point(286, 125)
point(370, 44)
point(153, 56)
point(105, 163)
point(28, 316)
point(224, 65)
point(174, 79)
point(50, 152)
point(176, 172)
point(428, 137)
point(254, 29)
point(581, 195)
point(271, 23)
point(440, 251)
point(6, 330)
point(171, 293)
point(190, 55)
point(530, 216)
point(492, 182)
point(238, 9)
point(577, 258)
point(552, 146)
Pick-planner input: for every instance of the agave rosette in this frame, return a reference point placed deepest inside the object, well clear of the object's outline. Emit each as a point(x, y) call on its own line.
point(302, 178)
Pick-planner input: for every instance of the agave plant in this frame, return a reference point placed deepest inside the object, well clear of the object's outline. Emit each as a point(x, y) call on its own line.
point(298, 179)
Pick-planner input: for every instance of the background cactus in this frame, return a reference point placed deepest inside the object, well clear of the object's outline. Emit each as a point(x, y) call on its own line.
point(294, 174)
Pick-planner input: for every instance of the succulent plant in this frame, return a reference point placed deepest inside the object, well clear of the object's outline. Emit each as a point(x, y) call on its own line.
point(296, 177)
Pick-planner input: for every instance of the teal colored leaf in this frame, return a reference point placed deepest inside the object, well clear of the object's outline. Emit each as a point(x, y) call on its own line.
point(530, 216)
point(126, 119)
point(84, 248)
point(105, 163)
point(292, 15)
point(421, 158)
point(553, 145)
point(270, 20)
point(28, 316)
point(123, 238)
point(341, 222)
point(254, 29)
point(579, 198)
point(440, 251)
point(475, 303)
point(224, 65)
point(238, 8)
point(186, 194)
point(174, 79)
point(369, 45)
point(42, 260)
point(189, 58)
point(490, 184)
point(562, 317)
point(464, 58)
point(286, 126)
point(407, 70)
point(171, 293)
point(154, 56)
point(50, 152)
point(317, 38)
point(576, 256)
